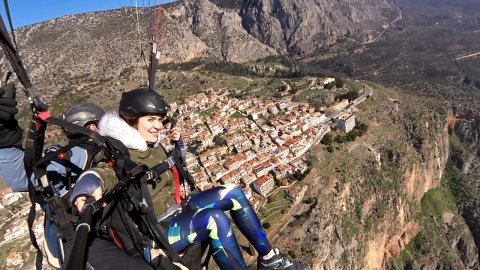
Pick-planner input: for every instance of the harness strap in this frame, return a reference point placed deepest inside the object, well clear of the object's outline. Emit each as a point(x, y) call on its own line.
point(116, 240)
point(157, 170)
point(176, 178)
point(169, 164)
point(185, 175)
point(63, 149)
point(30, 220)
point(145, 207)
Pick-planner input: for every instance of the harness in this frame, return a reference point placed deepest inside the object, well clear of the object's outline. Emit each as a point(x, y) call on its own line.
point(58, 212)
point(129, 219)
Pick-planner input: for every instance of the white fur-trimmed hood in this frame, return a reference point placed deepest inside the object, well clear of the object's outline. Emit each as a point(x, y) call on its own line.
point(113, 126)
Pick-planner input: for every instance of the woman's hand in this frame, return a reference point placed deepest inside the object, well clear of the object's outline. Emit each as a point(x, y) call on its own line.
point(87, 185)
point(175, 134)
point(81, 200)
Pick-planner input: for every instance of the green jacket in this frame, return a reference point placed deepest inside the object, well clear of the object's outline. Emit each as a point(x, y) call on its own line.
point(162, 192)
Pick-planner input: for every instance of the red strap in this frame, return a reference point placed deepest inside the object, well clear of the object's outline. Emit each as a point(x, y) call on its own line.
point(44, 115)
point(115, 238)
point(176, 178)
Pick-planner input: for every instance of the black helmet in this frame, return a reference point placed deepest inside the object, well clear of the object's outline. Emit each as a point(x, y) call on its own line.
point(81, 114)
point(142, 101)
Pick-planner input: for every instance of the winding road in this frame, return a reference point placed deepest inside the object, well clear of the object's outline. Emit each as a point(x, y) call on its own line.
point(398, 18)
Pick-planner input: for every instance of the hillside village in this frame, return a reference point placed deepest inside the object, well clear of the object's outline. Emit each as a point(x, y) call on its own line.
point(256, 144)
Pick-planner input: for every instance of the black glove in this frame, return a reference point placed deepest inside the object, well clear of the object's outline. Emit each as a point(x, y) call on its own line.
point(8, 104)
point(10, 132)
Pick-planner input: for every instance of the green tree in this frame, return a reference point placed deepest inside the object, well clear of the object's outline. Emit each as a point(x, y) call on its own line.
point(340, 139)
point(329, 86)
point(352, 95)
point(477, 84)
point(339, 82)
point(362, 127)
point(219, 140)
point(350, 137)
point(327, 139)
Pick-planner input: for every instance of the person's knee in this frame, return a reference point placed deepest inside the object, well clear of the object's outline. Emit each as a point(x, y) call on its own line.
point(217, 220)
point(218, 216)
point(233, 191)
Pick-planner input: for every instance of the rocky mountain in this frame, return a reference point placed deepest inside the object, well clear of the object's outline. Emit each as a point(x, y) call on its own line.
point(70, 52)
point(304, 26)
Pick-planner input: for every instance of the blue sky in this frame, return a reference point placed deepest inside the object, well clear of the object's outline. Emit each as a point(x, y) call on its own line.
point(25, 12)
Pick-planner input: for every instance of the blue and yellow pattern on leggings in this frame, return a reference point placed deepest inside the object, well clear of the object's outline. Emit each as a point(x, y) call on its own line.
point(205, 220)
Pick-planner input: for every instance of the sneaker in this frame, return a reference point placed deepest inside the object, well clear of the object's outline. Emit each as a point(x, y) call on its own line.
point(277, 262)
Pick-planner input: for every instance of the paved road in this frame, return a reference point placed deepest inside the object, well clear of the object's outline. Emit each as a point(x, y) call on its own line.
point(368, 91)
point(13, 239)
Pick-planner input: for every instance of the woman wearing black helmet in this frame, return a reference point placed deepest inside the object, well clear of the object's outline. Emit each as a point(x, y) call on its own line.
point(137, 125)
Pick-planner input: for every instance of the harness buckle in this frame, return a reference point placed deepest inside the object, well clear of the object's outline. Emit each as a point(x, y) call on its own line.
point(170, 162)
point(150, 175)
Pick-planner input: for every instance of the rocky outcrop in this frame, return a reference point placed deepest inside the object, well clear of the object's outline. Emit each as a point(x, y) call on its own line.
point(300, 27)
point(70, 53)
point(368, 210)
point(222, 31)
point(466, 158)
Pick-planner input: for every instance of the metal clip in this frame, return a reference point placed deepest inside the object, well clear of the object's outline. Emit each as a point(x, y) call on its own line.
point(150, 175)
point(170, 162)
point(143, 206)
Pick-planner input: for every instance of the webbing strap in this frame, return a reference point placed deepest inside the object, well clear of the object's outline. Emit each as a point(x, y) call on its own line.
point(147, 216)
point(29, 158)
point(179, 174)
point(30, 220)
point(94, 136)
point(176, 178)
point(63, 149)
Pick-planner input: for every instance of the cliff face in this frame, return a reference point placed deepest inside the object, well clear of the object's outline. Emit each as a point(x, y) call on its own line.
point(222, 31)
point(370, 196)
point(302, 26)
point(466, 159)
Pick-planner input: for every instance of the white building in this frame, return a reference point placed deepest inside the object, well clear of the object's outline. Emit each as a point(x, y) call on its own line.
point(326, 80)
point(10, 198)
point(264, 185)
point(273, 110)
point(346, 122)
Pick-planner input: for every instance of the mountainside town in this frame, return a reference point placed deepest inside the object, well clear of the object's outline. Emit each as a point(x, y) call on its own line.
point(256, 144)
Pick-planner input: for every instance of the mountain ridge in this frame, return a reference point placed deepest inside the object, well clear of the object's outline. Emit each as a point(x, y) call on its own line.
point(195, 30)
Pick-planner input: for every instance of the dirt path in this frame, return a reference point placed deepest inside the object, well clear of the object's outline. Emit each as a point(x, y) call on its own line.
point(467, 56)
point(398, 18)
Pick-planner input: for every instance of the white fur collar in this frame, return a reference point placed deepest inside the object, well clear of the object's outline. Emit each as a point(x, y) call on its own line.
point(113, 126)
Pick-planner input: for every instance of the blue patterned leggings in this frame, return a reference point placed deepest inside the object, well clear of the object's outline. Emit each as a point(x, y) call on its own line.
point(205, 220)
